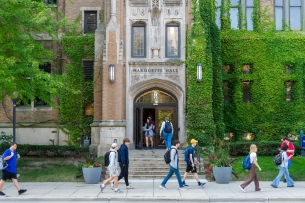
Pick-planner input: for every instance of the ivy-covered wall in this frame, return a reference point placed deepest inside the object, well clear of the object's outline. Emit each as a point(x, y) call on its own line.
point(275, 104)
point(72, 103)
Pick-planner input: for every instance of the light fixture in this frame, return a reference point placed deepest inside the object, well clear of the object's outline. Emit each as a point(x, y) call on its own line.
point(111, 72)
point(199, 72)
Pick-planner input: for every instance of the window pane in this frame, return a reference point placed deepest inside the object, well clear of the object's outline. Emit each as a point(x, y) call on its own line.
point(295, 18)
point(295, 3)
point(249, 3)
point(249, 18)
point(279, 18)
point(234, 2)
point(218, 2)
point(218, 22)
point(138, 41)
point(91, 17)
point(91, 27)
point(246, 92)
point(172, 41)
point(278, 2)
point(234, 18)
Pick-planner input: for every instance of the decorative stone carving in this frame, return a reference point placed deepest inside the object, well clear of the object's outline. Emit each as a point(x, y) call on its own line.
point(155, 28)
point(168, 11)
point(142, 11)
point(176, 11)
point(134, 11)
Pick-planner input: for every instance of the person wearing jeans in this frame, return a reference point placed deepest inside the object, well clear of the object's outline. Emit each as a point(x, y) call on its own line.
point(174, 167)
point(253, 175)
point(167, 135)
point(283, 169)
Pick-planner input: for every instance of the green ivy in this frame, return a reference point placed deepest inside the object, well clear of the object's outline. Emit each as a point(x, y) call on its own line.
point(74, 121)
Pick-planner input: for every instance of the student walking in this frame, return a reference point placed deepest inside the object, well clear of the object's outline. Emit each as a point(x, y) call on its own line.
point(149, 133)
point(283, 169)
point(290, 152)
point(167, 132)
point(174, 166)
point(253, 175)
point(124, 162)
point(190, 163)
point(10, 172)
point(112, 168)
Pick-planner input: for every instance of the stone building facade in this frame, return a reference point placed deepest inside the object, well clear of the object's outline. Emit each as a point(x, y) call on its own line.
point(143, 43)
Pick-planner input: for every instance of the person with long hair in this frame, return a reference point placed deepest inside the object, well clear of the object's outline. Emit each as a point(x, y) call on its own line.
point(253, 175)
point(149, 133)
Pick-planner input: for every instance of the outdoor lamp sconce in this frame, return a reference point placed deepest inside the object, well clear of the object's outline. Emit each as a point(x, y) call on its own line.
point(199, 72)
point(111, 72)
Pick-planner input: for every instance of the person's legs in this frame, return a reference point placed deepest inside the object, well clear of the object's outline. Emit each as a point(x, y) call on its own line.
point(177, 173)
point(289, 180)
point(165, 139)
point(151, 142)
point(289, 164)
point(276, 181)
point(247, 182)
point(15, 182)
point(116, 182)
point(169, 175)
point(146, 142)
point(169, 140)
point(256, 183)
point(123, 171)
point(196, 177)
point(2, 182)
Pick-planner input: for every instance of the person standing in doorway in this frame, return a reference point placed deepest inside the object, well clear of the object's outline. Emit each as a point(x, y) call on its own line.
point(167, 132)
point(173, 166)
point(290, 152)
point(125, 162)
point(149, 134)
point(253, 175)
point(283, 169)
point(10, 172)
point(113, 169)
point(191, 163)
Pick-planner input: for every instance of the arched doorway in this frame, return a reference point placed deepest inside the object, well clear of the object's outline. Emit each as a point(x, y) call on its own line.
point(157, 104)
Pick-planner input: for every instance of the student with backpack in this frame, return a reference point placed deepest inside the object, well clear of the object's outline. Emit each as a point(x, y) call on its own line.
point(283, 169)
point(173, 166)
point(112, 168)
point(189, 158)
point(253, 175)
point(167, 132)
point(290, 151)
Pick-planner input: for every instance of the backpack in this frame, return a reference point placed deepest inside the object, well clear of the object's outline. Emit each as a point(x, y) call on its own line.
point(186, 155)
point(167, 156)
point(278, 159)
point(246, 162)
point(119, 155)
point(3, 163)
point(168, 127)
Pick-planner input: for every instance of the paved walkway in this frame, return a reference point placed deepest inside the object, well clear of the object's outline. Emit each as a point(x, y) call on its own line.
point(148, 190)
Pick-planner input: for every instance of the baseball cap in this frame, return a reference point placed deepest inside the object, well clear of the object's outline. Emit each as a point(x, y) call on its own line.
point(193, 141)
point(114, 145)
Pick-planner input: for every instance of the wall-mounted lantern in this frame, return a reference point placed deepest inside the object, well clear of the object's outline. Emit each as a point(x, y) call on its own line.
point(111, 72)
point(199, 72)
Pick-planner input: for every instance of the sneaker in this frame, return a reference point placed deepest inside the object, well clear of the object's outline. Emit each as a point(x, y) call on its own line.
point(184, 184)
point(112, 185)
point(242, 189)
point(163, 187)
point(284, 181)
point(102, 188)
point(259, 190)
point(201, 184)
point(273, 186)
point(129, 187)
point(182, 188)
point(118, 191)
point(2, 193)
point(290, 186)
point(21, 191)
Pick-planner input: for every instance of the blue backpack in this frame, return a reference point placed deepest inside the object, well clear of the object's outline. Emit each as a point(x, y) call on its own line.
point(186, 155)
point(168, 127)
point(246, 162)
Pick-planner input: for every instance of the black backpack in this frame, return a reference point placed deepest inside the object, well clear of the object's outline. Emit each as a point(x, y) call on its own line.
point(168, 127)
point(106, 159)
point(119, 155)
point(167, 156)
point(278, 159)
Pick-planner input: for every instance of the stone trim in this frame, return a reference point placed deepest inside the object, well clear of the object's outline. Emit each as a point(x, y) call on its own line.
point(113, 124)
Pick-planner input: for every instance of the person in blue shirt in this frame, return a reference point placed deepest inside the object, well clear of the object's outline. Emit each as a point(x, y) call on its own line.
point(10, 172)
point(191, 164)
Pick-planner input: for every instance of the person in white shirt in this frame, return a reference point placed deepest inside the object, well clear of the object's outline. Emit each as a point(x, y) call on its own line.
point(253, 175)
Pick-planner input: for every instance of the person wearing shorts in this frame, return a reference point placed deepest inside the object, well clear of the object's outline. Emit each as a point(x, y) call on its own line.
point(190, 164)
point(10, 172)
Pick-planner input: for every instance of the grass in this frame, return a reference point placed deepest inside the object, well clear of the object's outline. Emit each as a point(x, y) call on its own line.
point(33, 169)
point(269, 170)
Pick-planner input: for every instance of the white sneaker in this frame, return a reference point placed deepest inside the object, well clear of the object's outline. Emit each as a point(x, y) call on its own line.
point(163, 187)
point(242, 189)
point(129, 187)
point(182, 188)
point(118, 191)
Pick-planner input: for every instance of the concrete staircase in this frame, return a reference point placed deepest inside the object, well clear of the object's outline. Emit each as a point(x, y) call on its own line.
point(149, 164)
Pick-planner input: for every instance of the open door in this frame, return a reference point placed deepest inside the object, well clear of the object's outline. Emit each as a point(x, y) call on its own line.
point(139, 130)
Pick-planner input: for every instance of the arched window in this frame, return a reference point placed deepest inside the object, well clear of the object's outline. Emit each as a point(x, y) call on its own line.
point(155, 97)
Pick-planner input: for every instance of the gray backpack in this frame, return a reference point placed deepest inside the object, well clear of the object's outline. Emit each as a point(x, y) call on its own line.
point(3, 163)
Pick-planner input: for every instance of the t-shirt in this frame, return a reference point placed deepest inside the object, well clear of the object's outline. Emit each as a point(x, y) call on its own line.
point(252, 157)
point(191, 150)
point(290, 147)
point(12, 162)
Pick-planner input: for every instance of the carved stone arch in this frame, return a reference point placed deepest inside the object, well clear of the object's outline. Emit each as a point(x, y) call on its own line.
point(172, 22)
point(138, 22)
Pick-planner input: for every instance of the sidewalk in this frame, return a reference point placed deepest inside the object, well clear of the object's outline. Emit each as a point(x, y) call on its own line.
point(148, 190)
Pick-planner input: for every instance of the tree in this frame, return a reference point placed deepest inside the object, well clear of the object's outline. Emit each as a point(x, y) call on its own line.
point(21, 51)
